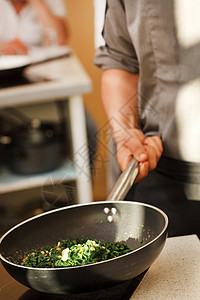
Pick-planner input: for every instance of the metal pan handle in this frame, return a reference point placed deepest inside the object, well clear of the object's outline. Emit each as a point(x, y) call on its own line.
point(127, 178)
point(124, 182)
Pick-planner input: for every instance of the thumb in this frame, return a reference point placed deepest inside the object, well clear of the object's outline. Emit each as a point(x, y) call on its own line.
point(138, 150)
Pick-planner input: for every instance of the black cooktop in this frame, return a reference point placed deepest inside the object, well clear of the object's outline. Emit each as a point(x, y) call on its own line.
point(12, 290)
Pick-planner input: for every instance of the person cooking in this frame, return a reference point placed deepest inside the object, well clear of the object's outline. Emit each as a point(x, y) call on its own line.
point(31, 23)
point(151, 95)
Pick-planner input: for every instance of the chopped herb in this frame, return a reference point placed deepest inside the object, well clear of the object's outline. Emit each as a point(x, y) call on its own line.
point(74, 252)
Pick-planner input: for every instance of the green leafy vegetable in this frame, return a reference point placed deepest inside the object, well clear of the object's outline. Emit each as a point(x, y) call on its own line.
point(74, 252)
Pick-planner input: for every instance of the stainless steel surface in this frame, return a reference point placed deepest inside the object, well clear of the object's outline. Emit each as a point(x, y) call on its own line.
point(124, 182)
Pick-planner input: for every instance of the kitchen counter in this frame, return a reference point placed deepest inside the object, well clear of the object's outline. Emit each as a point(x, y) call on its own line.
point(175, 274)
point(56, 79)
point(60, 79)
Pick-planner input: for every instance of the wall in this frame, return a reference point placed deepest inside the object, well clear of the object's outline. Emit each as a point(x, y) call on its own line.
point(81, 23)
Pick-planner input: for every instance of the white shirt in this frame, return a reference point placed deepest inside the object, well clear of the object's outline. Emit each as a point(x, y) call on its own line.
point(25, 25)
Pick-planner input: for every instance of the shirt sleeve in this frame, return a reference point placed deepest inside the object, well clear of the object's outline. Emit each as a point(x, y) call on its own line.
point(57, 7)
point(118, 52)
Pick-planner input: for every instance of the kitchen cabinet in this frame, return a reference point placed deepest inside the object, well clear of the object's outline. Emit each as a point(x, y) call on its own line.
point(65, 80)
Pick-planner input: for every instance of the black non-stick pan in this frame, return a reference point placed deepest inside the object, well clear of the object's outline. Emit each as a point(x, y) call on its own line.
point(142, 227)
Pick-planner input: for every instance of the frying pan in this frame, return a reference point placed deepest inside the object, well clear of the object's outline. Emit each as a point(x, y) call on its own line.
point(141, 226)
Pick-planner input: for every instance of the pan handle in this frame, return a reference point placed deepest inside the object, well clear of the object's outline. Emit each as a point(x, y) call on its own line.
point(124, 182)
point(127, 178)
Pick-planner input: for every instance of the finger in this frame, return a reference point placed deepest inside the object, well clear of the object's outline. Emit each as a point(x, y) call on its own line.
point(152, 157)
point(143, 171)
point(20, 47)
point(156, 143)
point(157, 140)
point(123, 157)
point(135, 144)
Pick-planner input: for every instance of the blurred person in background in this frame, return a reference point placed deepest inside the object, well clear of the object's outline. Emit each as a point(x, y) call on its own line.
point(25, 24)
point(29, 24)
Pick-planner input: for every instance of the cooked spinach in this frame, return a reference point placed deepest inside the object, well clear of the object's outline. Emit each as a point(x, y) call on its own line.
point(74, 252)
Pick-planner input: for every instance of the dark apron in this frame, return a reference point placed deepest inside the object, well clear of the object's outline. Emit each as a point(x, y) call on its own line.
point(174, 187)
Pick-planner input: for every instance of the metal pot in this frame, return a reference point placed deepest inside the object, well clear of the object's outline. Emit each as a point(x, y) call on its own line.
point(33, 149)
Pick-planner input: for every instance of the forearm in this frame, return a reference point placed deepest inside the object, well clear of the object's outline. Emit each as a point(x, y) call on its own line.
point(119, 97)
point(13, 47)
point(50, 21)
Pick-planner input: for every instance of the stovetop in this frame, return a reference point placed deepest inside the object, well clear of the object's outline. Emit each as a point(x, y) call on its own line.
point(121, 291)
point(12, 290)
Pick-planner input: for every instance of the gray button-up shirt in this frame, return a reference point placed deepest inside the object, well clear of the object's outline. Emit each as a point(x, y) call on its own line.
point(160, 40)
